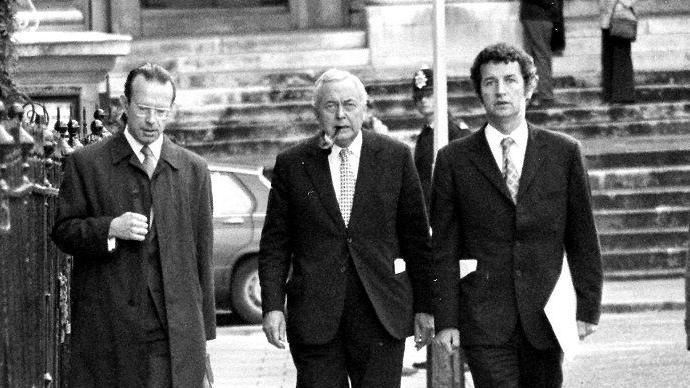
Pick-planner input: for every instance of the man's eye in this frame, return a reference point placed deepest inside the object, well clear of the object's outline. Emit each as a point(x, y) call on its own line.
point(350, 105)
point(330, 106)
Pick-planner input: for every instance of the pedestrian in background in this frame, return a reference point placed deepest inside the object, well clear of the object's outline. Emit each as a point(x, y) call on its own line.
point(617, 77)
point(423, 97)
point(346, 217)
point(537, 18)
point(135, 211)
point(508, 201)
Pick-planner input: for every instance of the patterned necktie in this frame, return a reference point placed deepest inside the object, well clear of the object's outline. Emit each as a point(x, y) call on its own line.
point(149, 163)
point(510, 172)
point(347, 185)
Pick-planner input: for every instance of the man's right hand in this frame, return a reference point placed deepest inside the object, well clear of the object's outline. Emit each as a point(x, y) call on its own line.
point(274, 328)
point(129, 226)
point(448, 338)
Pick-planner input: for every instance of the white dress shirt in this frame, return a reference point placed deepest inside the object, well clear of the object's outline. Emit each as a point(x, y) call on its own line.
point(334, 161)
point(155, 147)
point(517, 153)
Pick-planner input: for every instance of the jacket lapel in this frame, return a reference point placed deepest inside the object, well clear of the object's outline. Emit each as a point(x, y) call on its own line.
point(316, 166)
point(480, 154)
point(367, 176)
point(534, 157)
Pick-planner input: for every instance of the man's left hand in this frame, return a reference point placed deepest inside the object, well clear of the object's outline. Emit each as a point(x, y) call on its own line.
point(423, 329)
point(585, 328)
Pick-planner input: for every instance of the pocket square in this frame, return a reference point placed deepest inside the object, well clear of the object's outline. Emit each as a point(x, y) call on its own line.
point(467, 266)
point(399, 265)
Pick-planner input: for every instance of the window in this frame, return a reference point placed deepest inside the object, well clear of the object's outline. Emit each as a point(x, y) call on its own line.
point(229, 196)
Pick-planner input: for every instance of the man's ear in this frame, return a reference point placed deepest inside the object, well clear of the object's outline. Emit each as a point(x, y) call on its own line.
point(123, 101)
point(531, 86)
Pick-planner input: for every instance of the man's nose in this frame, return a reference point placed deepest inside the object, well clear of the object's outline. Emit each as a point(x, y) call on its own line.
point(340, 111)
point(500, 87)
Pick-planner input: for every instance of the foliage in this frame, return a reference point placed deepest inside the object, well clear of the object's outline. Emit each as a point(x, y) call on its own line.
point(8, 57)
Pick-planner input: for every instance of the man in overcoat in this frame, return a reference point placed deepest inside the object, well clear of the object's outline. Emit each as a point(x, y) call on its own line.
point(511, 199)
point(135, 211)
point(346, 214)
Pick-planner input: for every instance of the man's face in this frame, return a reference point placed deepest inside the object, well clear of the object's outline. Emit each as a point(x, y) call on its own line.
point(504, 94)
point(341, 111)
point(148, 109)
point(425, 105)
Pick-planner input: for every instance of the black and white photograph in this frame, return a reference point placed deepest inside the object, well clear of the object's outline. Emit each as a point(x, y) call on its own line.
point(344, 193)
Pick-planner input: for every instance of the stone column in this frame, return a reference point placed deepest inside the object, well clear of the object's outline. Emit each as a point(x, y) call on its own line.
point(125, 17)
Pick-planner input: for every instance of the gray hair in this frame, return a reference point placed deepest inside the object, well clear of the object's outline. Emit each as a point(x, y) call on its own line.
point(334, 75)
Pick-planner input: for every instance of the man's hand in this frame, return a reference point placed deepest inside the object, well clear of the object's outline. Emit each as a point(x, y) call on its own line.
point(423, 329)
point(129, 226)
point(449, 338)
point(274, 328)
point(584, 329)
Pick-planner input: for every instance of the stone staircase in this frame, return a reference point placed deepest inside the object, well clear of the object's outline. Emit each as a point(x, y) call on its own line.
point(638, 154)
point(244, 98)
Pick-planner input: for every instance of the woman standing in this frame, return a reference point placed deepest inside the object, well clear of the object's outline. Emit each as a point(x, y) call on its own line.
point(617, 72)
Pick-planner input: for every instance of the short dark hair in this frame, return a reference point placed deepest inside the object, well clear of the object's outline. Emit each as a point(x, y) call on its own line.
point(502, 52)
point(150, 71)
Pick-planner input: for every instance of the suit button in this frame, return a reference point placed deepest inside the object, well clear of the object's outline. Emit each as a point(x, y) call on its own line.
point(349, 240)
point(343, 269)
point(518, 273)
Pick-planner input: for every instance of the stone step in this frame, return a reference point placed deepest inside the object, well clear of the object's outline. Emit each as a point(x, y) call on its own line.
point(659, 217)
point(641, 198)
point(639, 238)
point(644, 262)
point(635, 177)
point(212, 110)
point(213, 45)
point(306, 59)
point(666, 156)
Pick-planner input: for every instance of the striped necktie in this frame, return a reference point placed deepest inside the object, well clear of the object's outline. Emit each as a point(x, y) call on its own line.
point(510, 172)
point(149, 162)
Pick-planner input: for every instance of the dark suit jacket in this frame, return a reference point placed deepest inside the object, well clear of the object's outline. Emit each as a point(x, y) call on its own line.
point(100, 183)
point(304, 229)
point(424, 153)
point(519, 249)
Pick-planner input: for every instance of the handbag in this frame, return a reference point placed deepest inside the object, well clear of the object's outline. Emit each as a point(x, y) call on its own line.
point(623, 28)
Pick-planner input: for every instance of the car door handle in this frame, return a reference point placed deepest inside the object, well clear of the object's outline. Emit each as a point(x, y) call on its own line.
point(233, 220)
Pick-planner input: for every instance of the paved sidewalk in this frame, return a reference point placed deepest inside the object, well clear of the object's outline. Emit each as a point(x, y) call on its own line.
point(241, 357)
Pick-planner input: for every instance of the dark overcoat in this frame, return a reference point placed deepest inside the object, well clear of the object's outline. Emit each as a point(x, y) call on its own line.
point(100, 183)
point(305, 231)
point(519, 246)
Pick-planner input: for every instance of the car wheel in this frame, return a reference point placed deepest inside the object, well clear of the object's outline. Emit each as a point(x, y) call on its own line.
point(246, 291)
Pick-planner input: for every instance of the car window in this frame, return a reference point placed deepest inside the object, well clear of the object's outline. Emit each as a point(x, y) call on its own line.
point(229, 196)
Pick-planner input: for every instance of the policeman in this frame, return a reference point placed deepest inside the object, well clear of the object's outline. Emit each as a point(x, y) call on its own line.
point(423, 95)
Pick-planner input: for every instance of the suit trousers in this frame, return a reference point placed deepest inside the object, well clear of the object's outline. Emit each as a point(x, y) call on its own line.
point(515, 364)
point(362, 349)
point(158, 364)
point(537, 34)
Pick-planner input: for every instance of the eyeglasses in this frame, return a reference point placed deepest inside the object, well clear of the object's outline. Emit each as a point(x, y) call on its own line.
point(142, 111)
point(332, 107)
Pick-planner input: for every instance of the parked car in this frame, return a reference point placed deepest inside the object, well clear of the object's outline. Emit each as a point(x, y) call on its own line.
point(240, 196)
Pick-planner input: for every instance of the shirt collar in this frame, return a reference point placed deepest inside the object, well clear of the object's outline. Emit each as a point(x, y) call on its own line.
point(355, 147)
point(519, 135)
point(155, 147)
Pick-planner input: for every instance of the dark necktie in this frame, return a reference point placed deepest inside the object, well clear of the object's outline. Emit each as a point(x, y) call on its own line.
point(510, 172)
